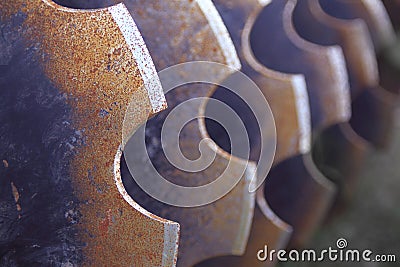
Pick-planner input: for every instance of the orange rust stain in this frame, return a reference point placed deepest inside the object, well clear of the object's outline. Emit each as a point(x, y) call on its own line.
point(15, 195)
point(87, 58)
point(5, 163)
point(105, 223)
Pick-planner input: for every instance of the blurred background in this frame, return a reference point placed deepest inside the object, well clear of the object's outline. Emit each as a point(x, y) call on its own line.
point(372, 219)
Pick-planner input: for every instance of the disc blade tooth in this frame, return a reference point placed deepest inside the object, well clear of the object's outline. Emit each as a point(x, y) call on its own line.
point(288, 98)
point(88, 57)
point(195, 32)
point(374, 14)
point(351, 35)
point(268, 232)
point(301, 195)
point(286, 95)
point(311, 61)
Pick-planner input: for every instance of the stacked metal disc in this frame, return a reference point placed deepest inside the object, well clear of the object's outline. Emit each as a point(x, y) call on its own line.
point(80, 79)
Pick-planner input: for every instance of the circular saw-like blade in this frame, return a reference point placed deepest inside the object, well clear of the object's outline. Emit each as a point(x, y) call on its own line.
point(69, 75)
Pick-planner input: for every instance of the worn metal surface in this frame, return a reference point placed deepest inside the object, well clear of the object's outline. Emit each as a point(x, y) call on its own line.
point(314, 24)
point(305, 211)
point(206, 231)
point(353, 36)
point(372, 12)
point(286, 93)
point(340, 151)
point(90, 89)
point(323, 67)
point(378, 23)
point(241, 17)
point(289, 103)
point(68, 77)
point(194, 32)
point(332, 149)
point(383, 37)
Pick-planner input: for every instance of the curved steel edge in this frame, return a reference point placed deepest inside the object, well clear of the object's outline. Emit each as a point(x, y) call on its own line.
point(103, 245)
point(202, 36)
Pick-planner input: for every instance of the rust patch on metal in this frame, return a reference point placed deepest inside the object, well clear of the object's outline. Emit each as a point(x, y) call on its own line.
point(286, 93)
point(88, 59)
point(328, 106)
point(106, 223)
point(189, 35)
point(5, 163)
point(16, 196)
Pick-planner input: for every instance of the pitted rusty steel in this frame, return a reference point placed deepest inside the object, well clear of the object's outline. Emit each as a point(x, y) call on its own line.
point(353, 36)
point(288, 99)
point(286, 93)
point(68, 79)
point(267, 228)
point(220, 228)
